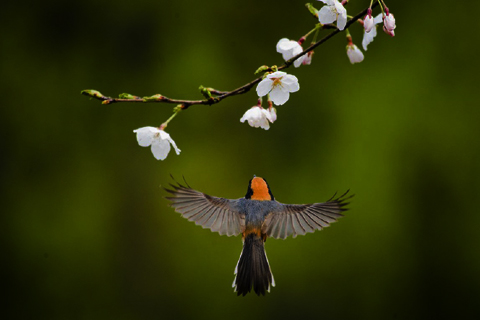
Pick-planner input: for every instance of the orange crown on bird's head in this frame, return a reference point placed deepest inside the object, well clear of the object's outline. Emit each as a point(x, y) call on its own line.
point(258, 189)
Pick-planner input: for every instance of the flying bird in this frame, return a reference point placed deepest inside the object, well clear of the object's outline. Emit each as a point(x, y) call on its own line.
point(257, 216)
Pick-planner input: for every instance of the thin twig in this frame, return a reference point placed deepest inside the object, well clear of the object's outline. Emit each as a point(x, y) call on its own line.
point(220, 95)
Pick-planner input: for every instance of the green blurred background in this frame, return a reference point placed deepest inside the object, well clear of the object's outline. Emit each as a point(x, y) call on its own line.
point(87, 234)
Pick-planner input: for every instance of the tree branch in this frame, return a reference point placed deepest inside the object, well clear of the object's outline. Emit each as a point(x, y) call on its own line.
point(220, 95)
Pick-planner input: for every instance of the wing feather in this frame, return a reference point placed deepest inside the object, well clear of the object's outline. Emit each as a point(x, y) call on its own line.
point(297, 227)
point(300, 219)
point(304, 223)
point(202, 220)
point(217, 214)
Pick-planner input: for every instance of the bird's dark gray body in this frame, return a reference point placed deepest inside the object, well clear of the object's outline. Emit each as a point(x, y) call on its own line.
point(256, 211)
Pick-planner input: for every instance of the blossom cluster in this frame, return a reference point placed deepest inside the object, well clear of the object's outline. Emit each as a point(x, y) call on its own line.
point(277, 85)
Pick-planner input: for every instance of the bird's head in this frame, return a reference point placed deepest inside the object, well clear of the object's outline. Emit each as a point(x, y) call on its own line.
point(258, 189)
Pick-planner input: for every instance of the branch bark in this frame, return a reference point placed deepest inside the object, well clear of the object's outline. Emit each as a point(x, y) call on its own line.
point(220, 95)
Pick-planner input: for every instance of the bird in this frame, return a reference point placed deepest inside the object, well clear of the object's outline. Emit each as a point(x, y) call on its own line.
point(257, 216)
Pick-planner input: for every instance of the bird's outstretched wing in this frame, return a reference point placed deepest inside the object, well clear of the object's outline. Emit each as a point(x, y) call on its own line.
point(299, 219)
point(217, 214)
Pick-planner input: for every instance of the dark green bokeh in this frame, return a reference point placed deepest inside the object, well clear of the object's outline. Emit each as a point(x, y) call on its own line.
point(87, 234)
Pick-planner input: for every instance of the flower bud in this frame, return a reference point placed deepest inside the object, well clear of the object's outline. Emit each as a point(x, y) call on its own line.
point(389, 22)
point(368, 23)
point(354, 54)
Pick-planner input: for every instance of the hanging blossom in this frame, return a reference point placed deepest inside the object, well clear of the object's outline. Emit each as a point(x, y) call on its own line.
point(354, 54)
point(273, 114)
point(278, 86)
point(333, 11)
point(368, 36)
point(368, 23)
point(158, 139)
point(389, 23)
point(289, 49)
point(259, 117)
point(308, 58)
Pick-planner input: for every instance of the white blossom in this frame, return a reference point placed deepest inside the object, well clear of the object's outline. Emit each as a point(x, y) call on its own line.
point(289, 49)
point(308, 58)
point(354, 54)
point(368, 23)
point(389, 22)
point(273, 114)
point(159, 141)
point(333, 11)
point(278, 85)
point(258, 117)
point(369, 36)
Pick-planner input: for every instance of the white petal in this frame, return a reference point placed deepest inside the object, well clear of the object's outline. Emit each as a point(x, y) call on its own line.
point(281, 44)
point(287, 55)
point(290, 82)
point(257, 117)
point(163, 135)
point(342, 17)
point(329, 2)
point(244, 117)
point(326, 15)
point(273, 114)
point(378, 19)
point(297, 50)
point(160, 149)
point(177, 151)
point(368, 37)
point(285, 45)
point(264, 124)
point(264, 87)
point(252, 114)
point(277, 74)
point(297, 63)
point(278, 96)
point(266, 115)
point(146, 135)
point(354, 54)
point(389, 22)
point(308, 58)
point(368, 23)
point(166, 136)
point(340, 8)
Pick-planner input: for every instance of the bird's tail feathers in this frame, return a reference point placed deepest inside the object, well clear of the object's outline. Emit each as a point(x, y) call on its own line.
point(253, 269)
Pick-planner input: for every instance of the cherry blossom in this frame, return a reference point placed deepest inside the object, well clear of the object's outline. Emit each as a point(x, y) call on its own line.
point(308, 58)
point(289, 49)
point(368, 23)
point(333, 11)
point(159, 141)
point(258, 117)
point(369, 36)
point(278, 86)
point(389, 22)
point(354, 54)
point(273, 114)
